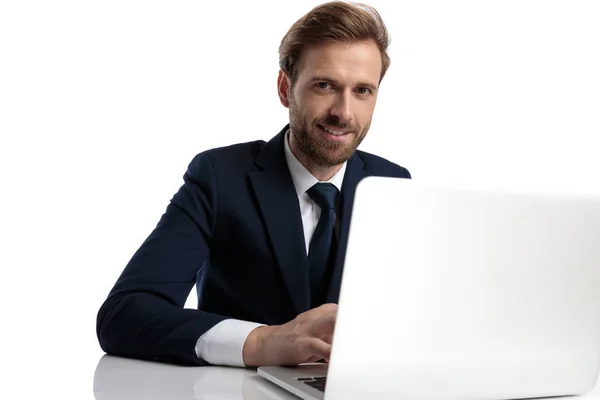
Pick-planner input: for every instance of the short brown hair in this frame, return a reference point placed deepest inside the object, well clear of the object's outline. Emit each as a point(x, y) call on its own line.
point(336, 21)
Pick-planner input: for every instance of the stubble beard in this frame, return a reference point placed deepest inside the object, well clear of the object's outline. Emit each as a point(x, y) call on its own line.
point(325, 153)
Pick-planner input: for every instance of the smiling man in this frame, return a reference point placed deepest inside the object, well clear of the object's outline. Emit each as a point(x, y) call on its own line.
point(261, 227)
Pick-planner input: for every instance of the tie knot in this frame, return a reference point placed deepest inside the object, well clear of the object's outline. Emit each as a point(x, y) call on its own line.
point(324, 194)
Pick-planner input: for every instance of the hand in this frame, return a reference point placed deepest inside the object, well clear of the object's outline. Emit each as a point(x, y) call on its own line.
point(307, 338)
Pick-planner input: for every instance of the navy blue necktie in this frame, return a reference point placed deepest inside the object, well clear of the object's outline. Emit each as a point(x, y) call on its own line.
point(323, 243)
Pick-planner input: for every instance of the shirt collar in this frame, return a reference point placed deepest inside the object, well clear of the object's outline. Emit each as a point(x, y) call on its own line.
point(303, 179)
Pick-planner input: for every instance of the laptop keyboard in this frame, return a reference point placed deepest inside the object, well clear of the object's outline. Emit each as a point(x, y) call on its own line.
point(317, 382)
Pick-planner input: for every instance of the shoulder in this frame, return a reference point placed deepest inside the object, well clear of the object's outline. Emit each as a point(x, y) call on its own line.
point(227, 157)
point(237, 151)
point(376, 165)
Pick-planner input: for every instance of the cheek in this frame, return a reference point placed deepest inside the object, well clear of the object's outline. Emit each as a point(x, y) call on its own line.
point(364, 111)
point(315, 112)
point(316, 105)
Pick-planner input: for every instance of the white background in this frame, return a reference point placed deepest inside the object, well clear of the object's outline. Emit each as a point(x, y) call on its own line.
point(103, 104)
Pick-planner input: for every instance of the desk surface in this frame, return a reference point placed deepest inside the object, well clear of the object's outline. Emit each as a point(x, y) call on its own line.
point(122, 379)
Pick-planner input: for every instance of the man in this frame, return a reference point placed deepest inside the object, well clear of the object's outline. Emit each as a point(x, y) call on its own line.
point(261, 227)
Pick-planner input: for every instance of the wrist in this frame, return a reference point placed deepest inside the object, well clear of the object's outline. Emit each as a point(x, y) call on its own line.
point(253, 352)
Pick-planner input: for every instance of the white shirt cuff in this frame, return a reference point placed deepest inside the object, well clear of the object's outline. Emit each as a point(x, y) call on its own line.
point(224, 342)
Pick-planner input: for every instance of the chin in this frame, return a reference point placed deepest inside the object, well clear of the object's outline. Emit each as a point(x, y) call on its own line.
point(329, 160)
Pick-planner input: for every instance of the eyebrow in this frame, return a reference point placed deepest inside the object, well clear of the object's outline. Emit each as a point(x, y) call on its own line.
point(329, 80)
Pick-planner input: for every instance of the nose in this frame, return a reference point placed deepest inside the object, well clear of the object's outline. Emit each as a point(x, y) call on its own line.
point(342, 107)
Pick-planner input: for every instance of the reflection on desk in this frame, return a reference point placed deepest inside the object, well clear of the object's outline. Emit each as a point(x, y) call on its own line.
point(126, 379)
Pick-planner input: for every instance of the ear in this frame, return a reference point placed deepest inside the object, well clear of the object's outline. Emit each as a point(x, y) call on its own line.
point(283, 88)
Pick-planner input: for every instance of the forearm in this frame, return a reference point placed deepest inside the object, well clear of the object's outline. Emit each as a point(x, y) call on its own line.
point(146, 326)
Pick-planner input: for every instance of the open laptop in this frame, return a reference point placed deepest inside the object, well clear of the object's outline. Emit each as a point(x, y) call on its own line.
point(462, 293)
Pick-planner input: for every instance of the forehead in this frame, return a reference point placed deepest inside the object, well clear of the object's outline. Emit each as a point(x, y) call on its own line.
point(344, 62)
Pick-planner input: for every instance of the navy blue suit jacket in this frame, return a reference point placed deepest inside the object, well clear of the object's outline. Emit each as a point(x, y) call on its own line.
point(234, 228)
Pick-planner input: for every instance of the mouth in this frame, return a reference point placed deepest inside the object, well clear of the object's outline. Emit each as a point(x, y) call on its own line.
point(333, 133)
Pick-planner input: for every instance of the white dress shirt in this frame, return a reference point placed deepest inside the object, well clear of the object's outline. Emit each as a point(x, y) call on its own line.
point(223, 343)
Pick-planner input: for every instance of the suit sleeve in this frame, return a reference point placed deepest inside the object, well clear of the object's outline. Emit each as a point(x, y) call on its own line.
point(143, 316)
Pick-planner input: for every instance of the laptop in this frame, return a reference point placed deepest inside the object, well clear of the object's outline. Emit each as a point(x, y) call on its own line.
point(457, 292)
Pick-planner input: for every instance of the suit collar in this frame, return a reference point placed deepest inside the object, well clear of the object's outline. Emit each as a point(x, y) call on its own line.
point(272, 156)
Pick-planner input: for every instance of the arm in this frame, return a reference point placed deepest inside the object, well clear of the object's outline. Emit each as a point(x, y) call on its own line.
point(143, 316)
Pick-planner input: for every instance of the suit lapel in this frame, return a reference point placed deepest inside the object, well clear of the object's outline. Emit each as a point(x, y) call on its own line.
point(354, 173)
point(278, 203)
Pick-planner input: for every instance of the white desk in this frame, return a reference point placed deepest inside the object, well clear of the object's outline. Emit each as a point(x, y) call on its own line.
point(122, 379)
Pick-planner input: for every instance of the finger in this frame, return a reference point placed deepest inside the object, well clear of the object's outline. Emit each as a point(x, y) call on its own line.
point(320, 349)
point(327, 338)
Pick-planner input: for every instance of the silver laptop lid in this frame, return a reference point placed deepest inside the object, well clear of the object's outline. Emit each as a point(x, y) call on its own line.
point(467, 293)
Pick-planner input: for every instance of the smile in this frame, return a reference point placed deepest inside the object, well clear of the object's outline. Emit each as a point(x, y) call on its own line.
point(333, 131)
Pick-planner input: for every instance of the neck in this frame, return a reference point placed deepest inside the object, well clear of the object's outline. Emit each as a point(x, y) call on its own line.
point(318, 171)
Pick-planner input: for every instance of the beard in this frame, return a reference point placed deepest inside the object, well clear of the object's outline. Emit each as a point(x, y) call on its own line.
point(323, 152)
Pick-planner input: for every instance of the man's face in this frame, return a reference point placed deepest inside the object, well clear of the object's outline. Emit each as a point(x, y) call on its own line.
point(332, 101)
